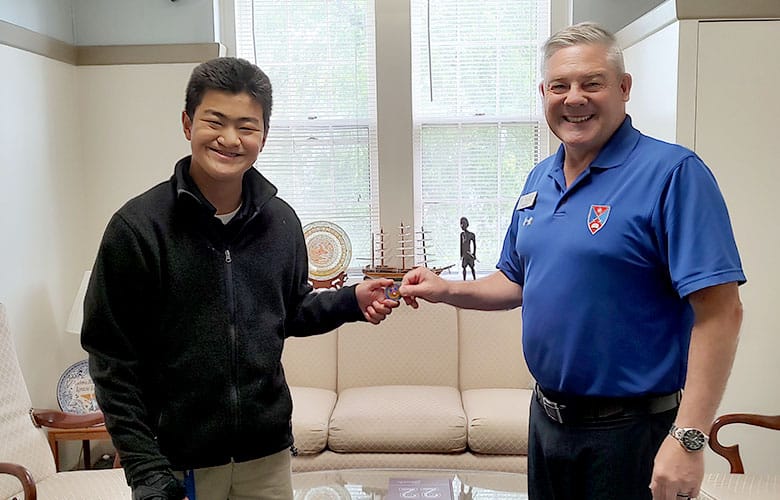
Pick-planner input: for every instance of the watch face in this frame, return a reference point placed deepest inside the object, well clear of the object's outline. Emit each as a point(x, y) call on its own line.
point(693, 439)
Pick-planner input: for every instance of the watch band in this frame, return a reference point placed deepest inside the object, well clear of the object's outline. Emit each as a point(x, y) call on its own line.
point(690, 438)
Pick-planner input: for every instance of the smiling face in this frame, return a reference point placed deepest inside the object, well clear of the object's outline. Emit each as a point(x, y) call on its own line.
point(226, 133)
point(585, 97)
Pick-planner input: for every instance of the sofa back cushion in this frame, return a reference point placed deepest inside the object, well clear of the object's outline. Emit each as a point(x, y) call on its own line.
point(311, 361)
point(410, 347)
point(491, 350)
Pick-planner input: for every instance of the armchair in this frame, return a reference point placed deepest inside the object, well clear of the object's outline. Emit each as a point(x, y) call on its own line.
point(737, 484)
point(731, 453)
point(27, 468)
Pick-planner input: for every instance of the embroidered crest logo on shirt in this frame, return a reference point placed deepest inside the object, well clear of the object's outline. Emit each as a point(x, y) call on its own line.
point(597, 217)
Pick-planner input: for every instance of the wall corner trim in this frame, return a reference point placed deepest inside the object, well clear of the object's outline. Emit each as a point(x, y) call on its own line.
point(672, 11)
point(734, 10)
point(31, 41)
point(99, 55)
point(652, 22)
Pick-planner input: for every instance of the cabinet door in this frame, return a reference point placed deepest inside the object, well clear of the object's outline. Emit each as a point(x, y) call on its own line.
point(738, 136)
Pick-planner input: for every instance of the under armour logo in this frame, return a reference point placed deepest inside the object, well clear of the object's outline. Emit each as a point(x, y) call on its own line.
point(527, 221)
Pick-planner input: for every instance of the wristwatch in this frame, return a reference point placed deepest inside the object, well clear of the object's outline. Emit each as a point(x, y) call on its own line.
point(690, 438)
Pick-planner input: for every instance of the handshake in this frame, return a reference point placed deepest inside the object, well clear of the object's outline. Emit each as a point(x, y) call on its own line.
point(378, 297)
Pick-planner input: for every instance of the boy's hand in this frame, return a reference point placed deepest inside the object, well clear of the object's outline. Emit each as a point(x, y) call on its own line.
point(158, 485)
point(372, 300)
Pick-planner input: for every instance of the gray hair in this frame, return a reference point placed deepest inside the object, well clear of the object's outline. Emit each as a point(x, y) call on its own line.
point(584, 33)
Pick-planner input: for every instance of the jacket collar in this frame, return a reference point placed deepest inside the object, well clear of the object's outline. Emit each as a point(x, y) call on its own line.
point(256, 190)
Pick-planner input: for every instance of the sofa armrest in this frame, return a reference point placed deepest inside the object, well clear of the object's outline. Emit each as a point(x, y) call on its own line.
point(61, 420)
point(24, 477)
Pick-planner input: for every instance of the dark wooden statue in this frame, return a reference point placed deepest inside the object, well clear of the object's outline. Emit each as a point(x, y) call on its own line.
point(468, 248)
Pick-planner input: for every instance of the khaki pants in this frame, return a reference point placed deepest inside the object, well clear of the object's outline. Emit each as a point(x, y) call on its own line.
point(267, 478)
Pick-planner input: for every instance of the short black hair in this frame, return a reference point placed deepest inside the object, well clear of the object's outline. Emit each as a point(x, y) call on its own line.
point(229, 74)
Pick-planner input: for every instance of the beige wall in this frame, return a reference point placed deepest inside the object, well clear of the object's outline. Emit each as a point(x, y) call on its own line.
point(737, 133)
point(653, 104)
point(77, 142)
point(706, 85)
point(131, 134)
point(42, 210)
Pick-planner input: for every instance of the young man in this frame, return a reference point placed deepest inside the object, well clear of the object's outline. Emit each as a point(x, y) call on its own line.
point(196, 285)
point(621, 253)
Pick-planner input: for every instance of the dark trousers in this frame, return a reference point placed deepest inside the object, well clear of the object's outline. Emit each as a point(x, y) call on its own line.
point(605, 460)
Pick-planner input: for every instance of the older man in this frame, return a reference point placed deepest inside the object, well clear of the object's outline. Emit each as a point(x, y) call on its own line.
point(622, 255)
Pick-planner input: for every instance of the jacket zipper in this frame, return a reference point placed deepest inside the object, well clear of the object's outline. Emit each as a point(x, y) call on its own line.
point(234, 396)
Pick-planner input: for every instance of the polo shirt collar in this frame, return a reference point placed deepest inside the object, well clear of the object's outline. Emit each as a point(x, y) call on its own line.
point(618, 147)
point(614, 152)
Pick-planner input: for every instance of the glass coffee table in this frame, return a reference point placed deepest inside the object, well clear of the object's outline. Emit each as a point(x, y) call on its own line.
point(401, 484)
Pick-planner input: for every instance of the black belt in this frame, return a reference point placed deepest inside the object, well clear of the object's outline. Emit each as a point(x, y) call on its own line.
point(565, 408)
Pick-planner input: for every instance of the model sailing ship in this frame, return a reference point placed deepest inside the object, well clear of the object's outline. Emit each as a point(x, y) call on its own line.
point(411, 253)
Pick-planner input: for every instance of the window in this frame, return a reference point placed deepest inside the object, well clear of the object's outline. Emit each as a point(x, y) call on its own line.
point(478, 121)
point(321, 151)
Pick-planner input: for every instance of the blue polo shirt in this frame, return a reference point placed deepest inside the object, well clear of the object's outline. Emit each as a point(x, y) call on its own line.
point(606, 265)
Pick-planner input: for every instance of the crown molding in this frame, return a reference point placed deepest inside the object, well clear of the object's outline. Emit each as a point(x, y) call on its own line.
point(30, 41)
point(99, 55)
point(728, 9)
point(672, 11)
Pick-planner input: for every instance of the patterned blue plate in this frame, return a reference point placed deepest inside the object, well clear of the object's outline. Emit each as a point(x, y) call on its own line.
point(76, 391)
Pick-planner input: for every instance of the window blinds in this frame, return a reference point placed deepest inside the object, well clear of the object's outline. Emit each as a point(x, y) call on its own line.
point(478, 121)
point(321, 151)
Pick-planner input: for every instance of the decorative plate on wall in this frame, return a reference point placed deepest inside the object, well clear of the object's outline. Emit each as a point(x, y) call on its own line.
point(76, 391)
point(329, 250)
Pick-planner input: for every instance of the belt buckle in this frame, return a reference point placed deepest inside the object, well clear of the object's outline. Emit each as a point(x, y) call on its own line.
point(552, 409)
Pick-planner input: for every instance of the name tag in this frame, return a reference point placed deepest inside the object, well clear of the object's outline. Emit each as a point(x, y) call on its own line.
point(526, 201)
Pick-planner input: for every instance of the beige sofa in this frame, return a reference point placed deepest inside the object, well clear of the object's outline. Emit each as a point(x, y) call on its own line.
point(439, 388)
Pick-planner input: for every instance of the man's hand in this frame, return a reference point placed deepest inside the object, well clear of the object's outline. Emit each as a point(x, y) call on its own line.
point(422, 283)
point(372, 300)
point(676, 471)
point(158, 485)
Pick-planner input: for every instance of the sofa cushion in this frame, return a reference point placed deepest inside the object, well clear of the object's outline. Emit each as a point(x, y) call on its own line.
point(312, 408)
point(408, 418)
point(106, 484)
point(408, 348)
point(311, 361)
point(497, 420)
point(491, 350)
point(725, 486)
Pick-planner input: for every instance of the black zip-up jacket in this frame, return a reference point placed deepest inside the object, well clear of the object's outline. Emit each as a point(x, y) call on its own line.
point(185, 320)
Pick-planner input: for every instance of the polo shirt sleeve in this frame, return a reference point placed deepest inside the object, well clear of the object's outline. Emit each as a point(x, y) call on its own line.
point(509, 262)
point(694, 230)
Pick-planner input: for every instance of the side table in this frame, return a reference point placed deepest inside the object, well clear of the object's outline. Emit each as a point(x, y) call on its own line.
point(83, 434)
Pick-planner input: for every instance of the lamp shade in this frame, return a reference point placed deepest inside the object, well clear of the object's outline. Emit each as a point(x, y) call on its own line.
point(77, 311)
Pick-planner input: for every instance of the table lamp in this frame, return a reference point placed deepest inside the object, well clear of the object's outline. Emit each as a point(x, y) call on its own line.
point(75, 390)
